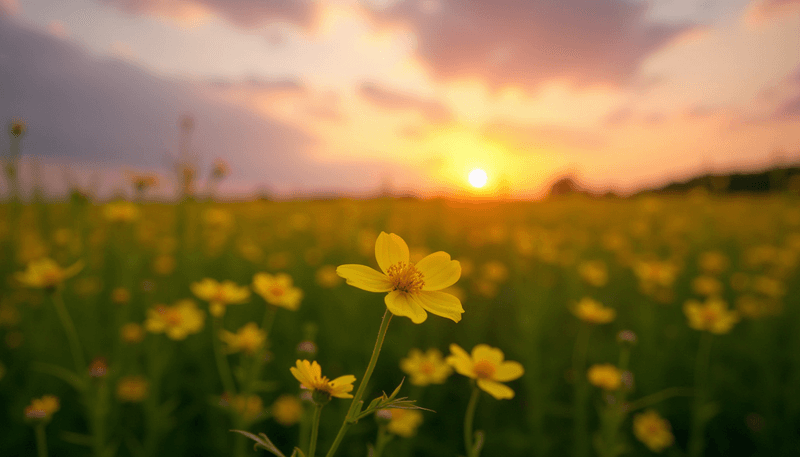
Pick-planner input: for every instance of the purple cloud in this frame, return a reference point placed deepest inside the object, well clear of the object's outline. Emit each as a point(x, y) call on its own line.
point(394, 100)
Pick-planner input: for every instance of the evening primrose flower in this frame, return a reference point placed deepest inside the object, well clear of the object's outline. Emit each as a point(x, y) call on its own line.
point(414, 289)
point(403, 422)
point(277, 290)
point(219, 295)
point(593, 312)
point(712, 316)
point(426, 368)
point(176, 321)
point(42, 408)
point(653, 430)
point(46, 274)
point(248, 339)
point(487, 365)
point(310, 376)
point(605, 376)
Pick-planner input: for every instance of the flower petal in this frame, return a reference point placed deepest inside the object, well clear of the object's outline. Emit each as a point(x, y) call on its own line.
point(508, 371)
point(403, 304)
point(495, 389)
point(486, 352)
point(439, 271)
point(461, 361)
point(441, 304)
point(364, 278)
point(389, 250)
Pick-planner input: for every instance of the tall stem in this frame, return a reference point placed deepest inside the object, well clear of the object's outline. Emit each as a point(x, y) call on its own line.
point(376, 351)
point(469, 418)
point(222, 361)
point(41, 440)
point(312, 447)
point(72, 334)
point(383, 439)
point(580, 397)
point(696, 438)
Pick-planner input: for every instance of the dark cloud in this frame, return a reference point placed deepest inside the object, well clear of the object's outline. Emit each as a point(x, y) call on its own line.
point(788, 110)
point(535, 138)
point(243, 13)
point(526, 42)
point(393, 100)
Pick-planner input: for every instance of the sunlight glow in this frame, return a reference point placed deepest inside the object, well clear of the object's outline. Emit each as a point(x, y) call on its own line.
point(477, 178)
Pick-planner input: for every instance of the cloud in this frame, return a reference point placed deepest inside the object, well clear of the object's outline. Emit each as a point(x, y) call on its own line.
point(788, 110)
point(524, 43)
point(389, 99)
point(8, 7)
point(243, 13)
point(761, 11)
point(58, 29)
point(526, 138)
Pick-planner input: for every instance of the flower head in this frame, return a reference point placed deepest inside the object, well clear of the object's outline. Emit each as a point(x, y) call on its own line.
point(605, 376)
point(653, 430)
point(46, 274)
point(426, 368)
point(712, 316)
point(42, 408)
point(414, 289)
point(487, 365)
point(219, 295)
point(287, 410)
point(132, 389)
point(594, 272)
point(403, 422)
point(121, 212)
point(176, 321)
point(277, 290)
point(248, 339)
point(249, 408)
point(593, 312)
point(310, 376)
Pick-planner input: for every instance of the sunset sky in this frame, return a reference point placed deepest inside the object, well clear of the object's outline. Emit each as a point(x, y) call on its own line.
point(342, 96)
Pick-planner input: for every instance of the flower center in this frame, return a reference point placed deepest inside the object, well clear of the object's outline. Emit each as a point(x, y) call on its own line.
point(709, 316)
point(276, 291)
point(405, 277)
point(427, 368)
point(484, 369)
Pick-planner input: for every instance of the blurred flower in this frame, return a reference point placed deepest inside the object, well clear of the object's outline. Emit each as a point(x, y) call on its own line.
point(653, 430)
point(487, 365)
point(287, 410)
point(593, 312)
point(605, 376)
point(9, 315)
point(142, 182)
point(414, 289)
point(176, 321)
point(495, 271)
point(770, 287)
point(594, 272)
point(219, 295)
point(121, 211)
point(46, 274)
point(16, 128)
point(248, 408)
point(220, 169)
point(713, 262)
point(707, 286)
point(712, 316)
point(120, 295)
point(131, 333)
point(626, 337)
point(403, 422)
point(656, 274)
point(98, 368)
point(248, 339)
point(427, 368)
point(132, 389)
point(42, 409)
point(326, 277)
point(277, 290)
point(310, 376)
point(164, 264)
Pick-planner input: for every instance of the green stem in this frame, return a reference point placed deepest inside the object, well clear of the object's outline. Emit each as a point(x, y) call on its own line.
point(659, 397)
point(312, 447)
point(269, 319)
point(72, 334)
point(580, 397)
point(41, 440)
point(696, 438)
point(469, 418)
point(382, 440)
point(354, 405)
point(222, 361)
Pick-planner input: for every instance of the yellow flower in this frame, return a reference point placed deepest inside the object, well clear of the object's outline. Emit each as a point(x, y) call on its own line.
point(712, 316)
point(132, 389)
point(42, 408)
point(427, 368)
point(713, 262)
point(606, 376)
point(249, 339)
point(487, 365)
point(707, 286)
point(593, 312)
point(248, 408)
point(594, 272)
point(219, 295)
point(414, 289)
point(287, 410)
point(310, 376)
point(653, 430)
point(176, 321)
point(46, 274)
point(495, 271)
point(403, 422)
point(164, 264)
point(326, 277)
point(120, 296)
point(121, 212)
point(277, 290)
point(131, 333)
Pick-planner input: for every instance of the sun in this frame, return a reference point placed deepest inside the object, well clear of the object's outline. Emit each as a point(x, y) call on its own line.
point(477, 178)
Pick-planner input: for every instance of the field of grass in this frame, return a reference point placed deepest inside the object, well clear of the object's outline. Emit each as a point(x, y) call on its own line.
point(730, 386)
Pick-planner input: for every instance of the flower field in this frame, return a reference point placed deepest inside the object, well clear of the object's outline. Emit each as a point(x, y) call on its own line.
point(657, 325)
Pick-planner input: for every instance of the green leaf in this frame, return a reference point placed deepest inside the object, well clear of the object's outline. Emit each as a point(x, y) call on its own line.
point(297, 453)
point(62, 373)
point(397, 390)
point(263, 442)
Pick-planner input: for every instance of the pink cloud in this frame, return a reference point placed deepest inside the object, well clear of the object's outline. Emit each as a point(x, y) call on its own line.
point(9, 7)
point(390, 99)
point(58, 29)
point(761, 11)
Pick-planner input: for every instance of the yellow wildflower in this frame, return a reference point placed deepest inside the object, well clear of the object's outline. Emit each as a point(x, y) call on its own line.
point(427, 368)
point(132, 389)
point(277, 290)
point(707, 286)
point(605, 376)
point(248, 339)
point(403, 422)
point(121, 212)
point(712, 316)
point(594, 272)
point(42, 408)
point(176, 321)
point(219, 295)
point(164, 264)
point(326, 277)
point(131, 333)
point(310, 376)
point(487, 365)
point(593, 312)
point(120, 296)
point(46, 274)
point(495, 271)
point(248, 408)
point(713, 262)
point(287, 410)
point(653, 430)
point(414, 289)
